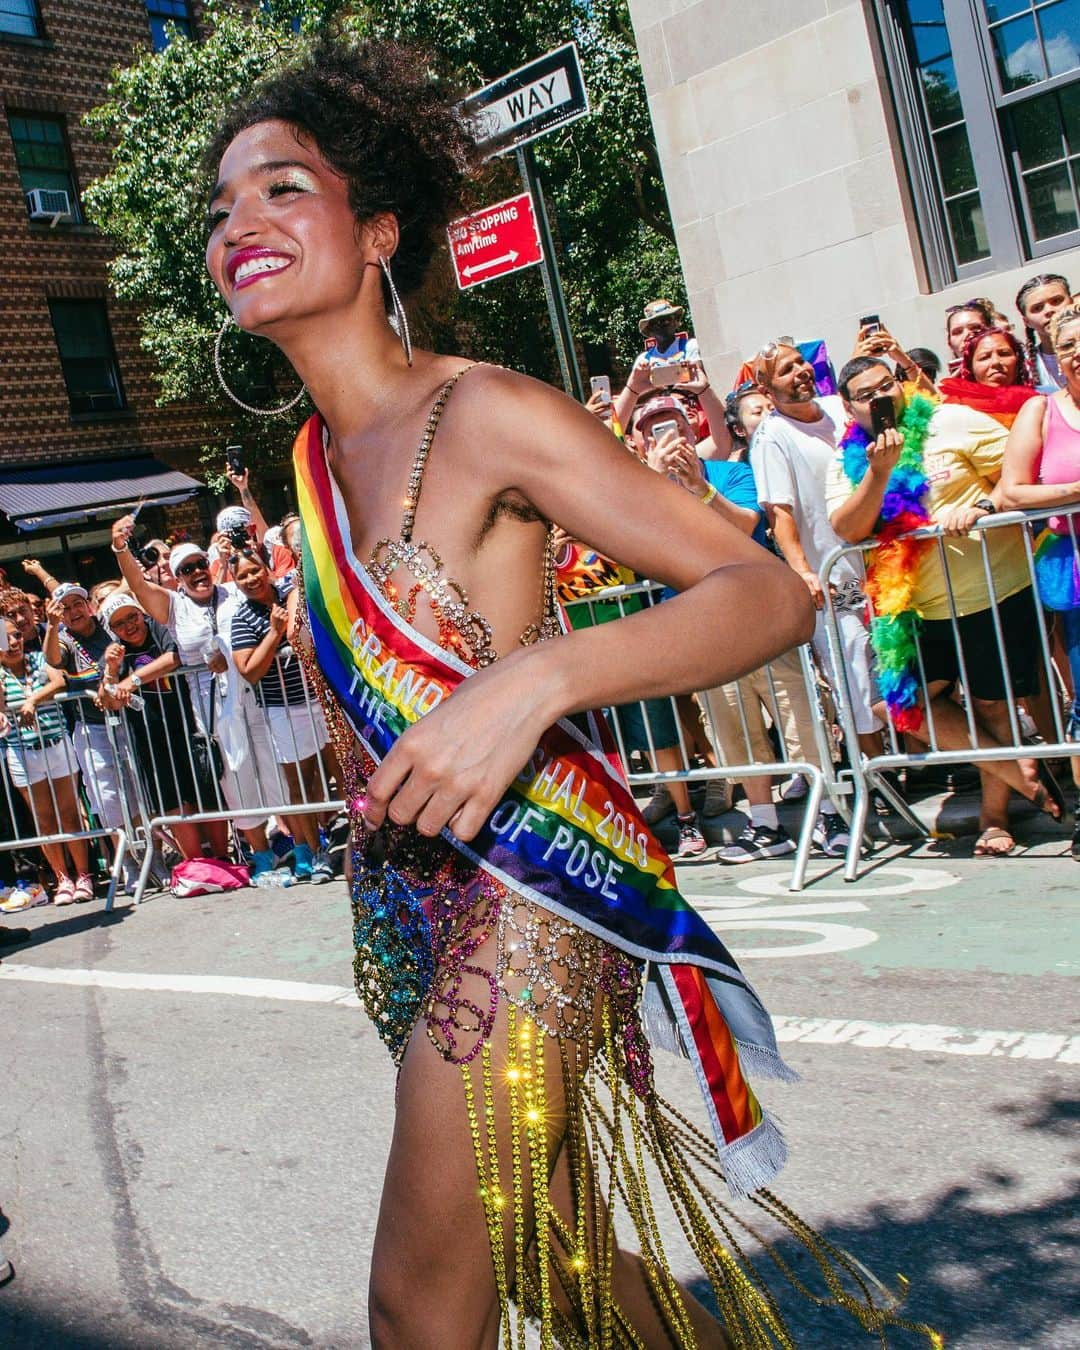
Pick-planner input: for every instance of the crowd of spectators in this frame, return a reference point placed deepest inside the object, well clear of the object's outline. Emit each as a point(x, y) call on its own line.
point(807, 461)
point(195, 644)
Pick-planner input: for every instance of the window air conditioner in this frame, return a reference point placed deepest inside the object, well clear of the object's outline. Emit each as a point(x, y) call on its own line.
point(48, 204)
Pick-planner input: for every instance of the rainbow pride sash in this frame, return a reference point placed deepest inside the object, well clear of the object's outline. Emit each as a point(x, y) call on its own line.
point(567, 833)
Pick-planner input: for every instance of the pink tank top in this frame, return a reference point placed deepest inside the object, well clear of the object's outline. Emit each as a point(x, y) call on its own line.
point(1060, 460)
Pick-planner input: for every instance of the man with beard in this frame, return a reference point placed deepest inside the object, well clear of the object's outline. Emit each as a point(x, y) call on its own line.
point(791, 453)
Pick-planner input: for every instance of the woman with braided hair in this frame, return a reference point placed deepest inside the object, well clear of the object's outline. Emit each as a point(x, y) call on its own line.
point(1038, 300)
point(516, 924)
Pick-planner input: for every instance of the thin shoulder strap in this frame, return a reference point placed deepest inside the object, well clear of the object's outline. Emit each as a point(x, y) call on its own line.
point(416, 477)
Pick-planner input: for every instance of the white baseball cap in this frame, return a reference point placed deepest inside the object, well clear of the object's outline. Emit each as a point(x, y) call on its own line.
point(181, 553)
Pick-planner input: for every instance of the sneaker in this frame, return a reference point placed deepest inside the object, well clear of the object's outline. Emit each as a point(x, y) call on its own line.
point(322, 869)
point(659, 806)
point(758, 841)
point(691, 840)
point(84, 888)
point(717, 798)
point(795, 789)
point(832, 835)
point(302, 863)
point(25, 897)
point(65, 892)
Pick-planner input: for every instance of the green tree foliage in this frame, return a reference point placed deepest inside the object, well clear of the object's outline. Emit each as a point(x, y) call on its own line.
point(601, 178)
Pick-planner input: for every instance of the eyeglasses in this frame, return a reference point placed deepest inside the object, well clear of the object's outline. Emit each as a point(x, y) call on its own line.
point(196, 565)
point(129, 622)
point(1067, 349)
point(885, 387)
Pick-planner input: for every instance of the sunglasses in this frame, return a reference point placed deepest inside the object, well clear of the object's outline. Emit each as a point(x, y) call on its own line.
point(747, 387)
point(189, 568)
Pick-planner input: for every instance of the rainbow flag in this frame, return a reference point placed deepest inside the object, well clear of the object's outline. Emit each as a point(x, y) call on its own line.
point(567, 833)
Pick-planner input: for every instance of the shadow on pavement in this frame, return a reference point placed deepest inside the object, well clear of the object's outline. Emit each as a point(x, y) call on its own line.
point(81, 921)
point(984, 1269)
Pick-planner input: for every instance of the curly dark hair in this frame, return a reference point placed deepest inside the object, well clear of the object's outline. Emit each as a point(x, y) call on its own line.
point(382, 120)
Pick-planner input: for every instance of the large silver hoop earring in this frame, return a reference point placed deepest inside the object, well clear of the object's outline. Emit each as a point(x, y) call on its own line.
point(247, 407)
point(399, 319)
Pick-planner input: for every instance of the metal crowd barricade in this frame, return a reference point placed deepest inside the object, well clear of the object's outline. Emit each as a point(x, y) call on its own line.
point(186, 775)
point(91, 754)
point(819, 770)
point(867, 771)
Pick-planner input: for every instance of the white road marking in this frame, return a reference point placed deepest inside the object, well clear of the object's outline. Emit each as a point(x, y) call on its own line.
point(292, 991)
point(832, 937)
point(908, 879)
point(920, 1038)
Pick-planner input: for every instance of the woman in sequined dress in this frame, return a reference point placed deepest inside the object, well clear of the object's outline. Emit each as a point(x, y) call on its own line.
point(520, 1046)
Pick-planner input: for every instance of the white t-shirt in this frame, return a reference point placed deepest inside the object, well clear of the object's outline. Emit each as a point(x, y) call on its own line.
point(196, 629)
point(791, 461)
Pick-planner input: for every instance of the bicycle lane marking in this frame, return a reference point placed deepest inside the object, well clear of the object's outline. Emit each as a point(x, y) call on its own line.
point(916, 1037)
point(725, 914)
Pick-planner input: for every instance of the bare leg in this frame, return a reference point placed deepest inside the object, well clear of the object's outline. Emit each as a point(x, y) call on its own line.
point(39, 799)
point(432, 1277)
point(299, 777)
point(70, 822)
point(670, 760)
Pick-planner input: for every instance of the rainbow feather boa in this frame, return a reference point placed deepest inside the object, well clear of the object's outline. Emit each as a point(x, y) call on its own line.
point(892, 567)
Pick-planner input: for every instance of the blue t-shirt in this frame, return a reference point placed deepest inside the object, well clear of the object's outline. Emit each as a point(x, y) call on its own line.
point(734, 479)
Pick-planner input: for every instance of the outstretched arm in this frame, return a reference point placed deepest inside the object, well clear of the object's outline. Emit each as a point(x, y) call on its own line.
point(154, 599)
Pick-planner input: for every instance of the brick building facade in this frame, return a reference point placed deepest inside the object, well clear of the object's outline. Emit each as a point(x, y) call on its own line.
point(74, 383)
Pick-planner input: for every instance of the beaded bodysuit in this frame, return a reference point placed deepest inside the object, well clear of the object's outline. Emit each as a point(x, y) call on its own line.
point(524, 955)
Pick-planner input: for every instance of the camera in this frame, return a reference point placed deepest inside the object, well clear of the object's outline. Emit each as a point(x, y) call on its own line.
point(238, 537)
point(149, 555)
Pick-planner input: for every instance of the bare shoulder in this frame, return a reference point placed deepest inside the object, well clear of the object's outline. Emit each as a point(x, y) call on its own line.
point(509, 421)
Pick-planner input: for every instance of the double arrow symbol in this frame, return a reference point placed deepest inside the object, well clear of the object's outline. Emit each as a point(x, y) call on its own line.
point(473, 269)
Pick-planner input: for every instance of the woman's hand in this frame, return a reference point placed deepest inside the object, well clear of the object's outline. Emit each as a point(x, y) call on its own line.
point(122, 531)
point(452, 767)
point(114, 656)
point(216, 663)
point(279, 620)
point(28, 711)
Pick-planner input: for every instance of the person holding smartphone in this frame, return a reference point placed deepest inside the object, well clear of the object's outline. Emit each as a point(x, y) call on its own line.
point(962, 454)
point(874, 339)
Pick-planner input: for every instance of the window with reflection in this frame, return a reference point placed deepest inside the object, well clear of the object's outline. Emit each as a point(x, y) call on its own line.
point(162, 14)
point(987, 95)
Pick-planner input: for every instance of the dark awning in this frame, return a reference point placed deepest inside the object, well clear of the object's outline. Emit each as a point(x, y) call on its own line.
point(49, 495)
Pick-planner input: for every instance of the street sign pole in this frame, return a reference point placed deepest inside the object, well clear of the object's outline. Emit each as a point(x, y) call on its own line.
point(549, 270)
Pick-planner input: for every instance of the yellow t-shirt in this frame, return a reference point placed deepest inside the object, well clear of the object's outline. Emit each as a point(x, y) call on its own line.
point(962, 457)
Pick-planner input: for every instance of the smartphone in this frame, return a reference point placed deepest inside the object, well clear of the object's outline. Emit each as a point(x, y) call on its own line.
point(870, 323)
point(601, 384)
point(661, 429)
point(663, 374)
point(882, 414)
point(234, 457)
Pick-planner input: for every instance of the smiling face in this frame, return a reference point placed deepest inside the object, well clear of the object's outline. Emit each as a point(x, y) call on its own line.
point(253, 578)
point(994, 362)
point(13, 657)
point(284, 242)
point(193, 578)
point(23, 618)
point(129, 625)
point(78, 616)
point(792, 379)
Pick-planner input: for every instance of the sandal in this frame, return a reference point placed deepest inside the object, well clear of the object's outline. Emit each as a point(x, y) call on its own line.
point(993, 834)
point(1048, 794)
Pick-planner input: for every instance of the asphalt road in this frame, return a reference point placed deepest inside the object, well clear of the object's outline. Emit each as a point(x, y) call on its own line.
point(194, 1116)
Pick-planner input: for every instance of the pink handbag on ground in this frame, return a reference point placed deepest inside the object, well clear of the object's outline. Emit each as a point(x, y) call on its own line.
point(205, 876)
